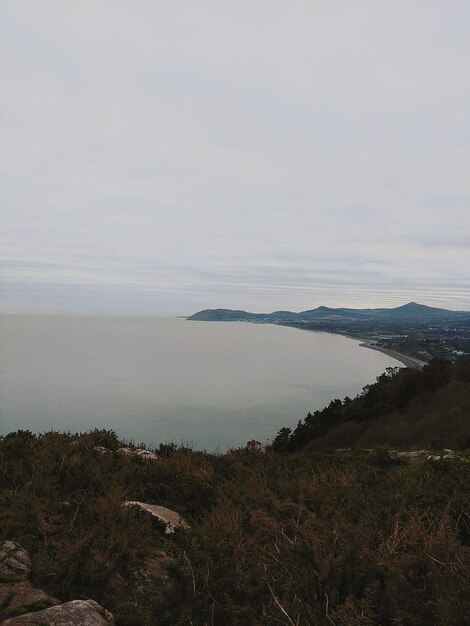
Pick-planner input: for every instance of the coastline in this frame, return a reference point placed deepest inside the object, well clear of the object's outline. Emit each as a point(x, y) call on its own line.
point(408, 361)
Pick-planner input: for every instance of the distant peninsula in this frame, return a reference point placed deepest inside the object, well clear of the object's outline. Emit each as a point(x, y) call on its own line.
point(411, 312)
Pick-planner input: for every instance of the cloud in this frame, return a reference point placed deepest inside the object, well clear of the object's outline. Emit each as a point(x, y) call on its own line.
point(171, 156)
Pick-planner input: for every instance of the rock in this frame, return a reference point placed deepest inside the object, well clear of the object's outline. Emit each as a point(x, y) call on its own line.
point(23, 594)
point(126, 451)
point(139, 452)
point(101, 450)
point(14, 561)
point(413, 454)
point(439, 457)
point(15, 565)
point(170, 518)
point(448, 451)
point(146, 454)
point(75, 613)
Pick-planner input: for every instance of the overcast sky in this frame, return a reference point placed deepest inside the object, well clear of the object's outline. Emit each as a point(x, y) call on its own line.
point(167, 156)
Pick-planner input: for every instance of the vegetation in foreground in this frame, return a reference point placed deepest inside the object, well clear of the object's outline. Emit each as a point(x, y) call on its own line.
point(351, 538)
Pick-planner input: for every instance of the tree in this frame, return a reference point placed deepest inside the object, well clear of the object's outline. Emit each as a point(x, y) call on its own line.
point(281, 441)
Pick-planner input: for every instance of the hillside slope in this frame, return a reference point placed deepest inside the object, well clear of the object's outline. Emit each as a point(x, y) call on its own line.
point(427, 409)
point(308, 539)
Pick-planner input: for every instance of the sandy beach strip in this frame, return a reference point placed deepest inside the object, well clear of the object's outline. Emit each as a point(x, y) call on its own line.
point(408, 361)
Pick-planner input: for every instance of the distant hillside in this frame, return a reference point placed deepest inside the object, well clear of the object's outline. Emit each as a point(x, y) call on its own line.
point(428, 409)
point(221, 315)
point(408, 312)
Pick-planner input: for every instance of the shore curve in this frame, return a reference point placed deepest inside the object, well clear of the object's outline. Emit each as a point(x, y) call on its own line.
point(408, 361)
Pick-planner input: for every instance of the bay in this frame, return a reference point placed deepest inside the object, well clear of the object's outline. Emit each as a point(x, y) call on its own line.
point(212, 385)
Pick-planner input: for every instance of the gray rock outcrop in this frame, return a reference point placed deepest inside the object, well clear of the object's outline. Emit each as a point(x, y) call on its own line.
point(142, 453)
point(75, 613)
point(413, 454)
point(439, 457)
point(14, 561)
point(23, 605)
point(171, 519)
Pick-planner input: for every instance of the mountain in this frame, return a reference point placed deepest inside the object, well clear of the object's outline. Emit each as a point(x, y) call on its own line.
point(410, 312)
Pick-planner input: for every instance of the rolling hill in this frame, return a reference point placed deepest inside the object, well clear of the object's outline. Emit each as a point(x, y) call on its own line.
point(411, 312)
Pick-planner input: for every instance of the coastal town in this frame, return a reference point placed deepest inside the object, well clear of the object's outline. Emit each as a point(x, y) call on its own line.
point(418, 340)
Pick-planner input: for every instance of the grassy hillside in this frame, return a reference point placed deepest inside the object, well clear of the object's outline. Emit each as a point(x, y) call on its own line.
point(404, 408)
point(350, 539)
point(433, 420)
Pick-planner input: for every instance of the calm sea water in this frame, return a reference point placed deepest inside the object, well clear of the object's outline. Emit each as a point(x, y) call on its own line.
point(211, 384)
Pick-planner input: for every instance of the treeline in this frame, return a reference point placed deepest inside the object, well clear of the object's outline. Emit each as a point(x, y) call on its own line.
point(397, 390)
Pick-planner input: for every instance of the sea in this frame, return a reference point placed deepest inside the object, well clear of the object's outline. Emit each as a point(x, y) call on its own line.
point(209, 385)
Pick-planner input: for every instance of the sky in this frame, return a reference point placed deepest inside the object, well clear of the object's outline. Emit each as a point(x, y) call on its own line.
point(161, 157)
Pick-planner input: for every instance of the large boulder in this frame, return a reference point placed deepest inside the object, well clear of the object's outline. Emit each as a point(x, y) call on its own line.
point(75, 613)
point(171, 519)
